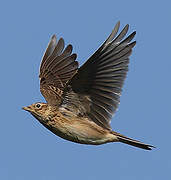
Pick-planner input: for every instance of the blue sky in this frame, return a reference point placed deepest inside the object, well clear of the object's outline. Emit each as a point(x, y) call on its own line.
point(30, 151)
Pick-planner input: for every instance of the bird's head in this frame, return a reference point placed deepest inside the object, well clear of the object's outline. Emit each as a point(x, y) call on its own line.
point(38, 110)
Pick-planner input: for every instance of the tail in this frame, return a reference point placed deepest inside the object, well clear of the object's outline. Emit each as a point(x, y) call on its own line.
point(132, 142)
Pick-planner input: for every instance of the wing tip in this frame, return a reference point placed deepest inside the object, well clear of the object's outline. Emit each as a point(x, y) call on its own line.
point(118, 24)
point(53, 38)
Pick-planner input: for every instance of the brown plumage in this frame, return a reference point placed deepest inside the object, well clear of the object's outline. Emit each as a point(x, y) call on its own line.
point(81, 101)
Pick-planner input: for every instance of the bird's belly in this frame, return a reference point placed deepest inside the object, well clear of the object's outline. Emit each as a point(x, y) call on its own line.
point(83, 132)
point(81, 138)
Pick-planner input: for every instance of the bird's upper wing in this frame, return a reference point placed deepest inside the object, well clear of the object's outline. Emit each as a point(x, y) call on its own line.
point(96, 87)
point(57, 67)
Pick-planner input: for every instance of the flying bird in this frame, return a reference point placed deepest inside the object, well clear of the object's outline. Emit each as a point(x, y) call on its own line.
point(81, 101)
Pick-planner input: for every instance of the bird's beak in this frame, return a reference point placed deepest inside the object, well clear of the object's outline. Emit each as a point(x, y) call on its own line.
point(28, 108)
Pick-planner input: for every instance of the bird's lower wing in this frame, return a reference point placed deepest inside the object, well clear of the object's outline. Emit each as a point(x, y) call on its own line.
point(96, 88)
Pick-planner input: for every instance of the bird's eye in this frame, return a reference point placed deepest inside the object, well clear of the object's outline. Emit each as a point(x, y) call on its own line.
point(38, 105)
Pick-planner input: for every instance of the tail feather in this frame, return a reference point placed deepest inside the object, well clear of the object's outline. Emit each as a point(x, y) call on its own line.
point(132, 142)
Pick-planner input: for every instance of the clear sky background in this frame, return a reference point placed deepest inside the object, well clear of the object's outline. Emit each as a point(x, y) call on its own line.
point(30, 151)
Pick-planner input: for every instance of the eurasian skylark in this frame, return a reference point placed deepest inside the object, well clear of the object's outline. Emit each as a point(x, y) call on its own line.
point(81, 101)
